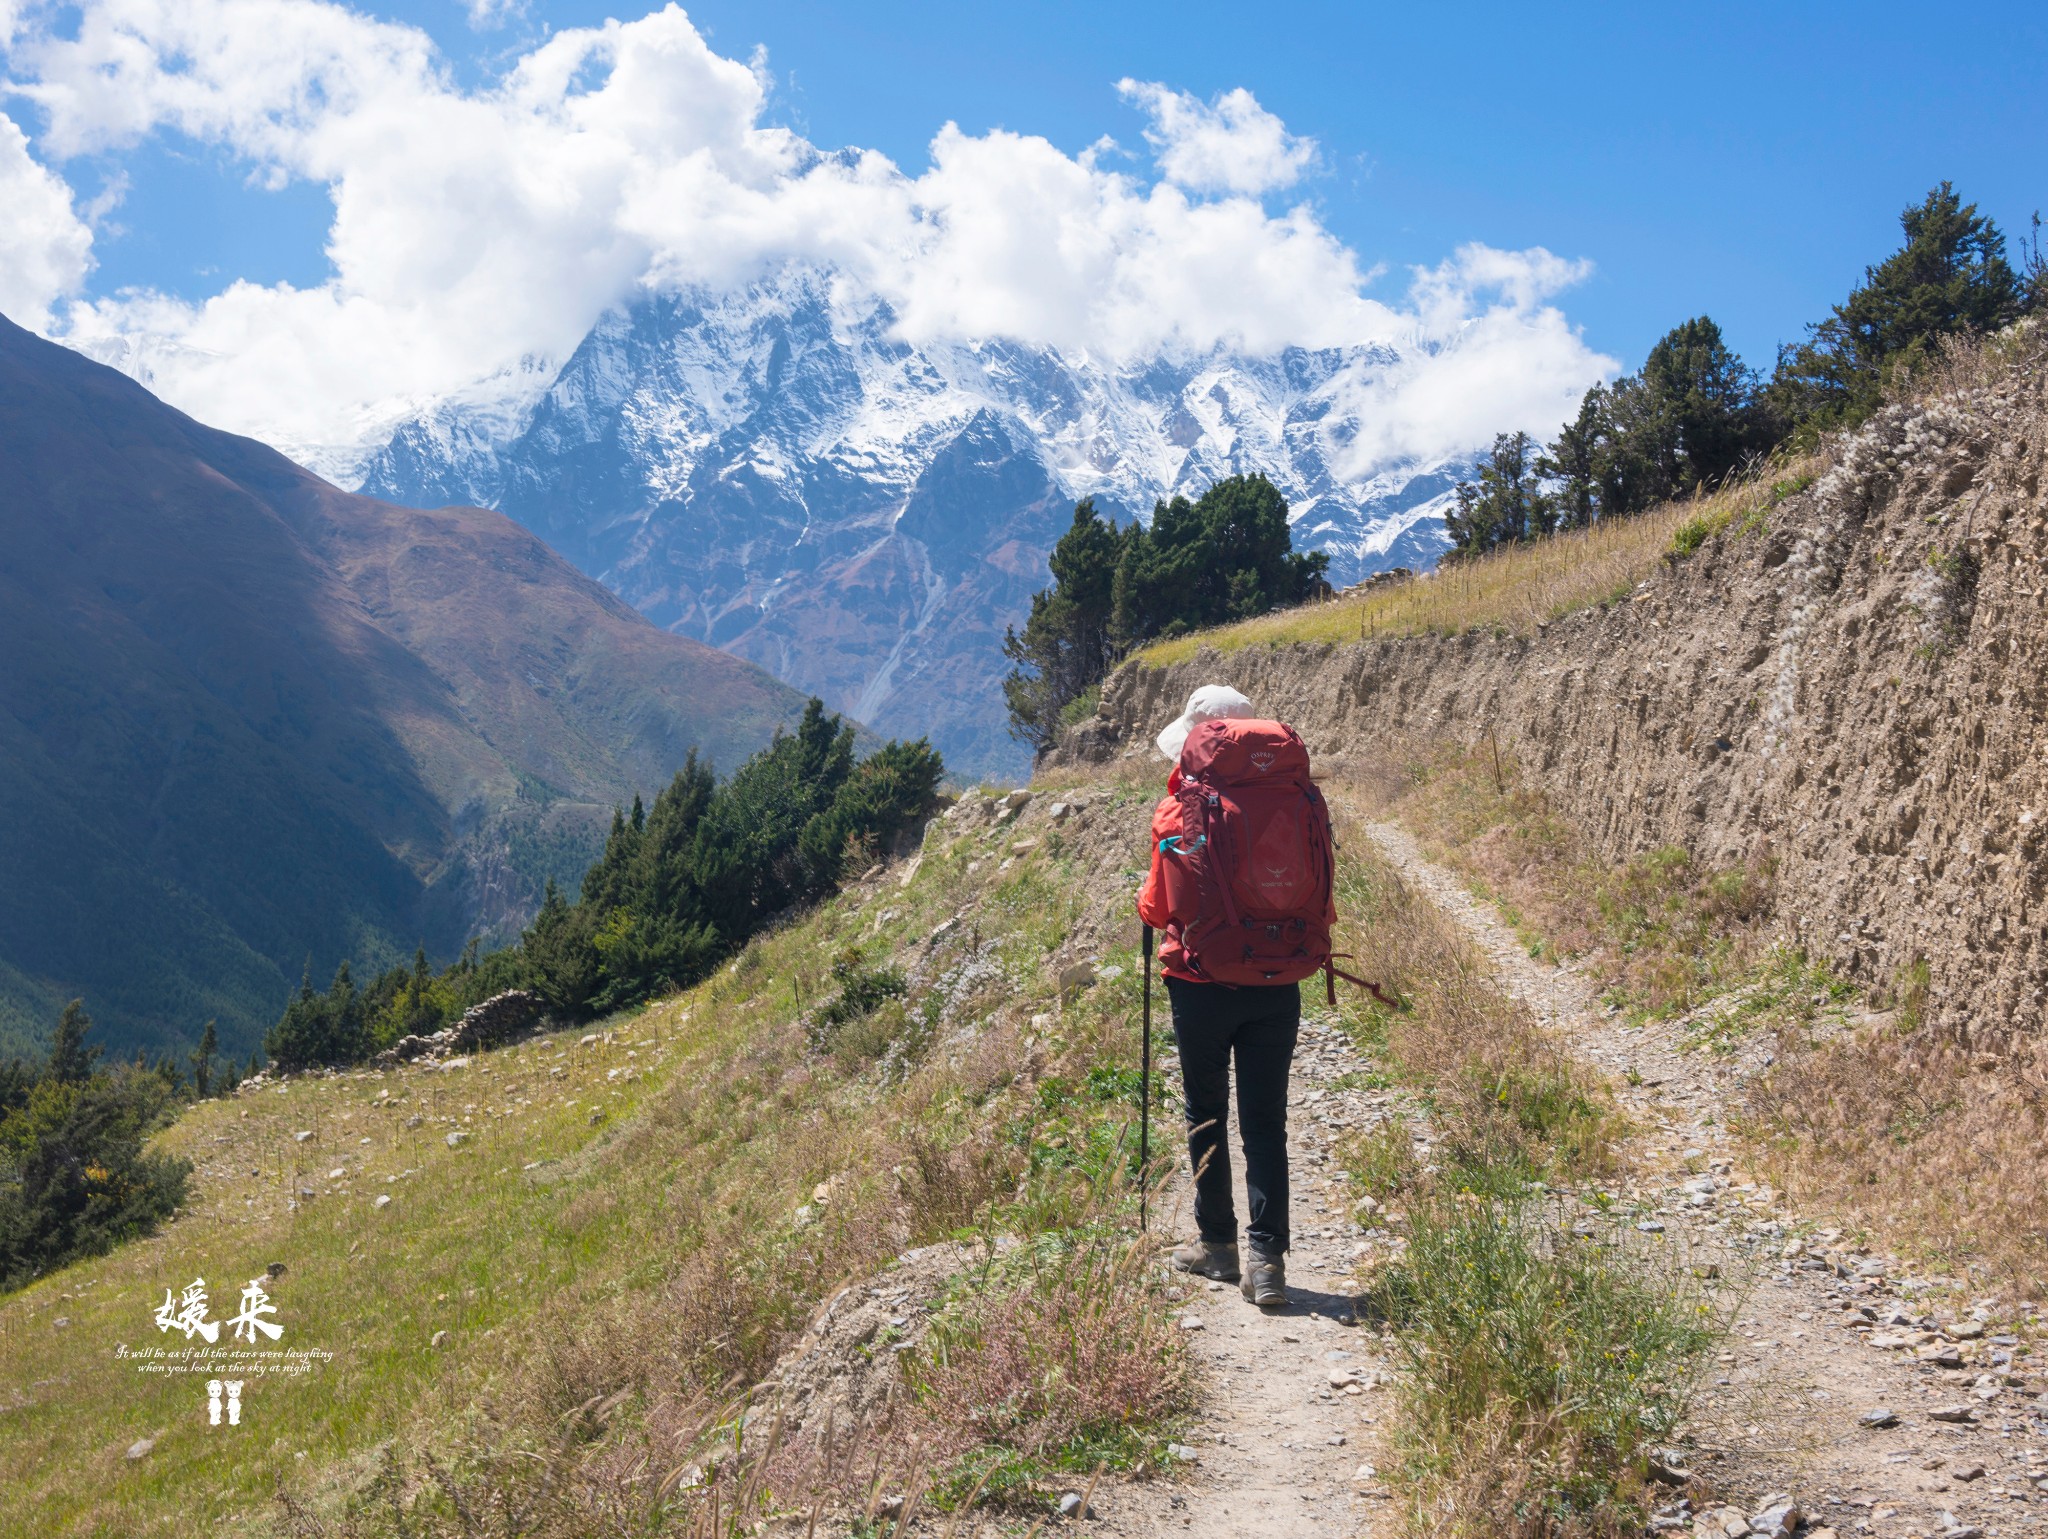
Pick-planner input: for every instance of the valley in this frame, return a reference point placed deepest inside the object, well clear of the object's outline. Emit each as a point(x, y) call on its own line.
point(253, 725)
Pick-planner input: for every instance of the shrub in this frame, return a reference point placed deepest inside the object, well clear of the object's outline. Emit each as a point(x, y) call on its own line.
point(315, 1029)
point(74, 1180)
point(861, 989)
point(1074, 1367)
point(1541, 1363)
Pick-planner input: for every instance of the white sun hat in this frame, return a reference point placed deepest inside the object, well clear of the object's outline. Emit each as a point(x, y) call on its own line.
point(1212, 702)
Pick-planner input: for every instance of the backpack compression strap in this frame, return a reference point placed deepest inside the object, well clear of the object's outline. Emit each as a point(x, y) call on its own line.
point(1332, 972)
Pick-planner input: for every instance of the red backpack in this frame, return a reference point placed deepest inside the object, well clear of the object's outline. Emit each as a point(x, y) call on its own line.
point(1249, 880)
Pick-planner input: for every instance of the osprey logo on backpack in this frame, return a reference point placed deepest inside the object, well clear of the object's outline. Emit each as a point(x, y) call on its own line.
point(1263, 760)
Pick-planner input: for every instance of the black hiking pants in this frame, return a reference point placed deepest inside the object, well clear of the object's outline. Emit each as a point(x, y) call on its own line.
point(1212, 1022)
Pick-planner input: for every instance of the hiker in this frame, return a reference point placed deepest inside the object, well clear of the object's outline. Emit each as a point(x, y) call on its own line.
point(1240, 927)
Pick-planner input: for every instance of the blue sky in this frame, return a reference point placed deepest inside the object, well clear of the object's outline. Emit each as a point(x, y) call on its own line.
point(293, 220)
point(1745, 161)
point(1742, 160)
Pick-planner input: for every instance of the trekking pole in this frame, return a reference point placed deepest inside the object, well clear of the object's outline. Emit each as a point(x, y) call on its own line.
point(1145, 1091)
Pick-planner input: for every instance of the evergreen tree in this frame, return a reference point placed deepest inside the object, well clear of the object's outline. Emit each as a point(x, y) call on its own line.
point(1228, 555)
point(71, 1061)
point(75, 1180)
point(202, 1060)
point(1507, 504)
point(1571, 462)
point(1709, 415)
point(560, 955)
point(17, 1079)
point(1950, 276)
point(605, 882)
point(1067, 643)
point(316, 1029)
point(1691, 418)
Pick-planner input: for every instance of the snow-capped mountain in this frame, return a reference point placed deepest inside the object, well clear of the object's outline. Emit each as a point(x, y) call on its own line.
point(774, 471)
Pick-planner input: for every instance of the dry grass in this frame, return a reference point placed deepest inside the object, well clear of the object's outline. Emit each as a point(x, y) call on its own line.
point(1497, 1081)
point(1514, 589)
point(1664, 932)
point(1063, 1367)
point(1539, 1364)
point(626, 1240)
point(1907, 1134)
point(1891, 1128)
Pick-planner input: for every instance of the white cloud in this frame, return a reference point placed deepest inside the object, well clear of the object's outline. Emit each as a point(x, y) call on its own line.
point(1231, 144)
point(486, 14)
point(473, 228)
point(45, 248)
point(1486, 354)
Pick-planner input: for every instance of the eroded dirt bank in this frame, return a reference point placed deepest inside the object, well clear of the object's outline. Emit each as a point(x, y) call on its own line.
point(1854, 684)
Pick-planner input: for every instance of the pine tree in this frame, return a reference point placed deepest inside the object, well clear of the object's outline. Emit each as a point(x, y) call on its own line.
point(1067, 643)
point(71, 1061)
point(1950, 277)
point(202, 1060)
point(1707, 402)
point(1507, 504)
point(1690, 418)
point(1228, 555)
point(1569, 464)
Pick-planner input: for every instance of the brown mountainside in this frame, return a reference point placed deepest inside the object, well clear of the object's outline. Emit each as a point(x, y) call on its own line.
point(248, 720)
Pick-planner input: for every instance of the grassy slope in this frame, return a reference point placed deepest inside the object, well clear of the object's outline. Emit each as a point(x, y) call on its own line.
point(1516, 588)
point(700, 1124)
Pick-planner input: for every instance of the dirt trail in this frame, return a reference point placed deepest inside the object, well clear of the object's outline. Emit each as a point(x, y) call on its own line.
point(1807, 1360)
point(1279, 1445)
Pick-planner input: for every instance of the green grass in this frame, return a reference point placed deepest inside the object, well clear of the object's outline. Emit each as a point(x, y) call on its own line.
point(625, 1218)
point(1784, 992)
point(1543, 1356)
point(1748, 513)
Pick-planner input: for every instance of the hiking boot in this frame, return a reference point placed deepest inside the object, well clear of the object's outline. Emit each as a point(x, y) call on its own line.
point(1206, 1259)
point(1265, 1280)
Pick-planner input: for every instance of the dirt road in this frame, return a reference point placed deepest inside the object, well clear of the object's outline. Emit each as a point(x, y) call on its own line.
point(1289, 1439)
point(1813, 1351)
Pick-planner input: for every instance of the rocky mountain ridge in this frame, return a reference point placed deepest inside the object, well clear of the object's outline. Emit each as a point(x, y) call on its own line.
point(775, 472)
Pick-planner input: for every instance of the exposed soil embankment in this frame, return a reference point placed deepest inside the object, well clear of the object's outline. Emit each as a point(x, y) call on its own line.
point(1853, 683)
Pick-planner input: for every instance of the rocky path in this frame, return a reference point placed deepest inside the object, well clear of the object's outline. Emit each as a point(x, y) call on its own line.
point(1880, 1403)
point(1289, 1437)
